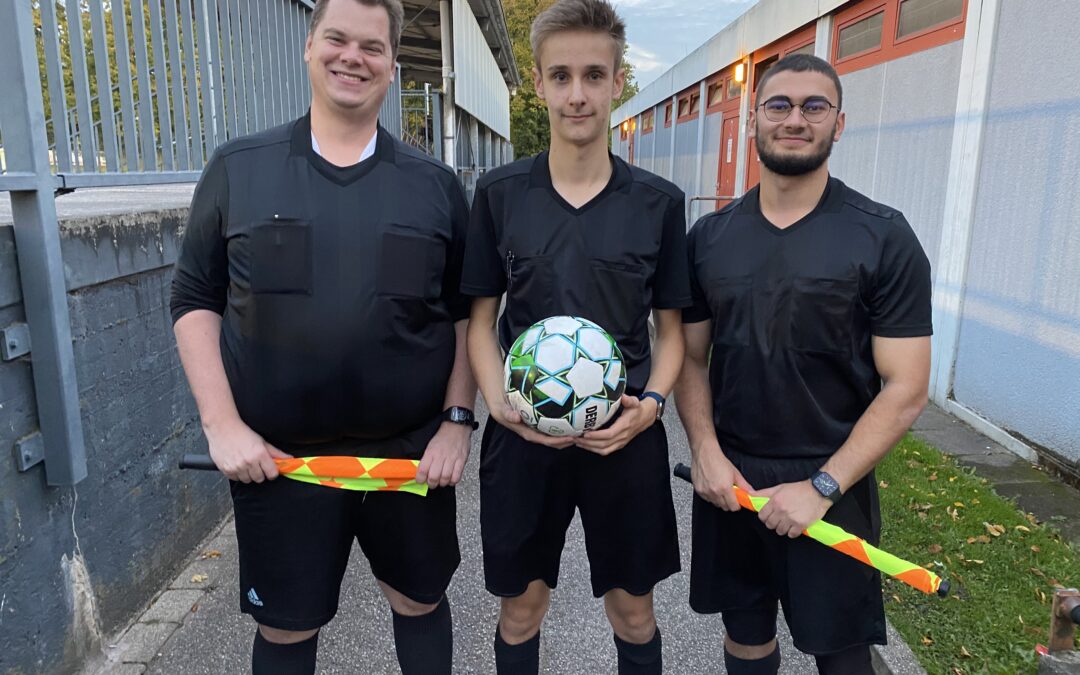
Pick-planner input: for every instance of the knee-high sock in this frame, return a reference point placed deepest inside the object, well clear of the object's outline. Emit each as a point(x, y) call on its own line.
point(643, 659)
point(270, 658)
point(520, 659)
point(425, 643)
point(768, 665)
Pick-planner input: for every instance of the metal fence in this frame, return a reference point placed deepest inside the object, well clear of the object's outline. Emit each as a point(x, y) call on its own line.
point(141, 91)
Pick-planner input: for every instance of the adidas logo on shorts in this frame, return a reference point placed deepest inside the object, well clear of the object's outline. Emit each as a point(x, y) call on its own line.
point(253, 598)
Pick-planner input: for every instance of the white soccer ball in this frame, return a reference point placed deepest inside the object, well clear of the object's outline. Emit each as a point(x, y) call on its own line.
point(565, 376)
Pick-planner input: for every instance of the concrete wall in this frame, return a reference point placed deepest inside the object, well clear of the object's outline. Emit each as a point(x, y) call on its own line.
point(896, 146)
point(76, 563)
point(1018, 360)
point(686, 156)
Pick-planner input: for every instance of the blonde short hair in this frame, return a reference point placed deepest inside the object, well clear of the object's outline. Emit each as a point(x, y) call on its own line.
point(596, 16)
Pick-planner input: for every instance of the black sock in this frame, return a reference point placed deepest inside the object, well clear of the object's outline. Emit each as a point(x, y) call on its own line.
point(768, 665)
point(425, 643)
point(521, 659)
point(643, 659)
point(853, 661)
point(270, 658)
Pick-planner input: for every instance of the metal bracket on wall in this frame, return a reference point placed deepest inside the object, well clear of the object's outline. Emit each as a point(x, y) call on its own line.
point(29, 451)
point(14, 341)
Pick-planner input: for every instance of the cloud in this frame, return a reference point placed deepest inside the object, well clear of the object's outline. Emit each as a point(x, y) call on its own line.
point(645, 61)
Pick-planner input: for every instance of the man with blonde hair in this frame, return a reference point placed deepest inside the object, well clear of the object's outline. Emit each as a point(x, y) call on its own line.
point(317, 312)
point(577, 231)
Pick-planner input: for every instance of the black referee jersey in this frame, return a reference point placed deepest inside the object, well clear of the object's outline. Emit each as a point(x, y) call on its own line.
point(610, 261)
point(338, 286)
point(793, 313)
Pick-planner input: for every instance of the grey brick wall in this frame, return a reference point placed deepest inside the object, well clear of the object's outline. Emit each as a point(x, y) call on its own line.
point(136, 517)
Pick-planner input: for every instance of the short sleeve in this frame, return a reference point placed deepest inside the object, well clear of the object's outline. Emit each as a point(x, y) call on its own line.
point(671, 281)
point(457, 303)
point(699, 307)
point(483, 274)
point(901, 303)
point(201, 275)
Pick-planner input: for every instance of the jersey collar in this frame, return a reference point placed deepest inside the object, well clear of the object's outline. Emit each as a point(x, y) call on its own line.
point(540, 177)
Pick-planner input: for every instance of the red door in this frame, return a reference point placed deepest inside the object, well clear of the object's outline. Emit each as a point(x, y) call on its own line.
point(630, 152)
point(729, 152)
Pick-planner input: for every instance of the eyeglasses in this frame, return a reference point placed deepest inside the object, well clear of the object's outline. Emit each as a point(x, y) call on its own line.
point(778, 108)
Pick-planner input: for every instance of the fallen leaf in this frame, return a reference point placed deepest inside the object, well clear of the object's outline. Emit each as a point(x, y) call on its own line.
point(982, 539)
point(964, 652)
point(897, 599)
point(934, 548)
point(952, 478)
point(922, 515)
point(1040, 595)
point(958, 505)
point(977, 562)
point(1035, 549)
point(1031, 518)
point(975, 501)
point(1037, 572)
point(926, 641)
point(883, 485)
point(199, 579)
point(994, 530)
point(1021, 528)
point(210, 554)
point(932, 476)
point(1018, 616)
point(957, 671)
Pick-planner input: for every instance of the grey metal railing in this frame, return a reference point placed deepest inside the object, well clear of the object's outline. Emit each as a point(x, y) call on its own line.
point(183, 76)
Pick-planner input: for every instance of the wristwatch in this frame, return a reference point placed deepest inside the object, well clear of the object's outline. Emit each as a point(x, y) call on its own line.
point(458, 415)
point(826, 486)
point(659, 402)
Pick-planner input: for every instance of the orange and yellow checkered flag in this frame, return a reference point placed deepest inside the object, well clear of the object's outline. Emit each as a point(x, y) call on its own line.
point(340, 471)
point(840, 540)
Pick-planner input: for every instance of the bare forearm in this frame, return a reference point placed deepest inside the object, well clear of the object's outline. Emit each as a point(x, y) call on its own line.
point(693, 400)
point(484, 352)
point(197, 339)
point(883, 424)
point(461, 387)
point(668, 352)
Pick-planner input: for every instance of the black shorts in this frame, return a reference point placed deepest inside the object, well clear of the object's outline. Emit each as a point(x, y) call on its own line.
point(831, 602)
point(295, 538)
point(528, 494)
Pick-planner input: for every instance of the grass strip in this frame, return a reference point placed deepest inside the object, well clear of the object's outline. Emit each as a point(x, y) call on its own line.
point(1003, 565)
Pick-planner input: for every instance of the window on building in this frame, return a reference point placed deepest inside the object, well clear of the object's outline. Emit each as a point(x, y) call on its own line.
point(695, 104)
point(805, 49)
point(667, 115)
point(734, 89)
point(684, 106)
point(918, 15)
point(861, 36)
point(716, 93)
point(647, 121)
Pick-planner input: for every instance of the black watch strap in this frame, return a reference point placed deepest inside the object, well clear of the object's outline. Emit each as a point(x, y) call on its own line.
point(458, 415)
point(826, 486)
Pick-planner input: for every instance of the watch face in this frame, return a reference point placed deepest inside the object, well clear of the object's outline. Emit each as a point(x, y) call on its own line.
point(825, 484)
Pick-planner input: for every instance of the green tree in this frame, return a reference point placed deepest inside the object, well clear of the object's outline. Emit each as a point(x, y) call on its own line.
point(529, 130)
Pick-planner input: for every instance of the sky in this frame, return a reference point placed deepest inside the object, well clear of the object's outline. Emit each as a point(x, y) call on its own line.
point(661, 32)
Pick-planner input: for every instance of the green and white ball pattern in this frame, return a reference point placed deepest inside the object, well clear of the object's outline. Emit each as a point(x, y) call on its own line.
point(565, 376)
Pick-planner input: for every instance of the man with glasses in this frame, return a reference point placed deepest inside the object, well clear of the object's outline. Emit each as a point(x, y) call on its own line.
point(807, 358)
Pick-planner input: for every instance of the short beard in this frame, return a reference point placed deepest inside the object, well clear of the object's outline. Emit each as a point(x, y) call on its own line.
point(797, 165)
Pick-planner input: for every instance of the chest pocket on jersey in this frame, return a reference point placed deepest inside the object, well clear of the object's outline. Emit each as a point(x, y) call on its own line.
point(281, 252)
point(822, 314)
point(618, 296)
point(530, 290)
point(731, 304)
point(409, 266)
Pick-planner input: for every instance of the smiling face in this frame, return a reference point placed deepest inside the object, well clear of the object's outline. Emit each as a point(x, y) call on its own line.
point(349, 58)
point(794, 146)
point(576, 77)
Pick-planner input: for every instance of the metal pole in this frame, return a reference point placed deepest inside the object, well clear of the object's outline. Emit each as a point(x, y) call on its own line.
point(37, 240)
point(449, 121)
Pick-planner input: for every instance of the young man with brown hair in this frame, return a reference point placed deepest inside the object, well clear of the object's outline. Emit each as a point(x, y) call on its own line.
point(317, 312)
point(577, 231)
point(807, 358)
